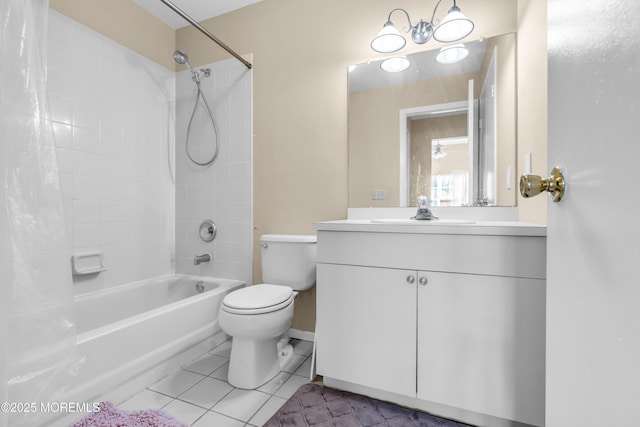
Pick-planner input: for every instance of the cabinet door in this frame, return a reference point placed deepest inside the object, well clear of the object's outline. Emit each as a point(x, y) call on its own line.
point(366, 326)
point(481, 344)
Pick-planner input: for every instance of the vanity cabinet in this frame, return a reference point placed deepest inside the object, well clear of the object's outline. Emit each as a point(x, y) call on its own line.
point(454, 320)
point(367, 326)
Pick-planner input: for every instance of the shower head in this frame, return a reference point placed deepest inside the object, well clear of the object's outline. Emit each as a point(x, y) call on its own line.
point(181, 58)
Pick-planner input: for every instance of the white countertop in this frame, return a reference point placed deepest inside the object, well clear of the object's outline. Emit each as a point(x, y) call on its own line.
point(486, 228)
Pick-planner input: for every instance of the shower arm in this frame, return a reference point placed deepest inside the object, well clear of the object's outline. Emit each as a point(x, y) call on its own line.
point(204, 31)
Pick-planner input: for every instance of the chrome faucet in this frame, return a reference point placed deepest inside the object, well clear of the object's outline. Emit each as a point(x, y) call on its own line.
point(424, 213)
point(201, 258)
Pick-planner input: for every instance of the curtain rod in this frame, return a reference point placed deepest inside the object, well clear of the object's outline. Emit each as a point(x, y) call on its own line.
point(204, 31)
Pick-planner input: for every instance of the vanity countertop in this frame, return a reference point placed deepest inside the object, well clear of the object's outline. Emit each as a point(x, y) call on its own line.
point(486, 228)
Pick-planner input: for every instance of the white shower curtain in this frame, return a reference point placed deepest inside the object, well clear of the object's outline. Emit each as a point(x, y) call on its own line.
point(37, 329)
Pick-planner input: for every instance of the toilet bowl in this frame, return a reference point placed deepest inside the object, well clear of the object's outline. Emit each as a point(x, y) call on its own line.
point(258, 317)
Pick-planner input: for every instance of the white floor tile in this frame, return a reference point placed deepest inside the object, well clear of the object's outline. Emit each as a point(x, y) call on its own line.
point(304, 348)
point(221, 373)
point(223, 349)
point(177, 383)
point(293, 383)
point(211, 419)
point(294, 363)
point(273, 385)
point(207, 392)
point(146, 399)
point(206, 364)
point(267, 411)
point(185, 412)
point(241, 404)
point(305, 369)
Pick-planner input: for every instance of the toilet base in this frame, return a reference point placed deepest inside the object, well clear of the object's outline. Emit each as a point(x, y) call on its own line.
point(255, 362)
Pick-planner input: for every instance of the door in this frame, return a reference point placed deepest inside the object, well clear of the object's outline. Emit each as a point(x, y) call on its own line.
point(366, 330)
point(593, 243)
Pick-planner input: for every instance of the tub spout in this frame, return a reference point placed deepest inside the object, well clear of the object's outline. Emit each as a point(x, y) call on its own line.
point(201, 258)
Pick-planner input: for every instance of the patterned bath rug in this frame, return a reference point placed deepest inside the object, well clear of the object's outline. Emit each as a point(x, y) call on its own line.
point(315, 405)
point(110, 416)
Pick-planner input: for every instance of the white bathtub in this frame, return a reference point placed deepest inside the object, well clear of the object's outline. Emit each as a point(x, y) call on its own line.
point(130, 329)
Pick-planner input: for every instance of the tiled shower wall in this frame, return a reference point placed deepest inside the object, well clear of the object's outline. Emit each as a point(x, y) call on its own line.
point(113, 124)
point(129, 190)
point(222, 191)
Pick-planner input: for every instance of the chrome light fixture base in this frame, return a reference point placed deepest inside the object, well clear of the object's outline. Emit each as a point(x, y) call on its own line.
point(455, 26)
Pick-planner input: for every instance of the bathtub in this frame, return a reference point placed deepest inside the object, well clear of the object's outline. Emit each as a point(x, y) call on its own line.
point(128, 330)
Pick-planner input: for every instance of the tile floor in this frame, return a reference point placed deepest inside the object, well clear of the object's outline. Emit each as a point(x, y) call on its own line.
point(200, 395)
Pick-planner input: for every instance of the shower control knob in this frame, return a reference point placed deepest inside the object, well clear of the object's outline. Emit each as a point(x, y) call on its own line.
point(411, 280)
point(208, 230)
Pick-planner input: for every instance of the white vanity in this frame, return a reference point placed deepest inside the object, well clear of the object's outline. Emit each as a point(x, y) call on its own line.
point(448, 318)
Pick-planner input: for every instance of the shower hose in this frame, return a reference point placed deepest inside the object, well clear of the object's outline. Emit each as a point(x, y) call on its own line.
point(196, 78)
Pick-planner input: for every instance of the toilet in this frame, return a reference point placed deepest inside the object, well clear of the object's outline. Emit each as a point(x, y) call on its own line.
point(258, 317)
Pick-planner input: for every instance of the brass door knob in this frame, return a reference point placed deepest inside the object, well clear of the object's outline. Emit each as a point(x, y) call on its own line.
point(532, 185)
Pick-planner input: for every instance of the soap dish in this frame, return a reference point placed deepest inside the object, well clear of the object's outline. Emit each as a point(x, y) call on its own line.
point(87, 263)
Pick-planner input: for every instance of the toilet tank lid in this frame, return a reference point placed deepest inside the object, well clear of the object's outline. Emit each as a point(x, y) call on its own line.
point(296, 238)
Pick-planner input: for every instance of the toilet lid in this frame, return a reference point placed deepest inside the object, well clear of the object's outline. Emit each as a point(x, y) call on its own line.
point(258, 299)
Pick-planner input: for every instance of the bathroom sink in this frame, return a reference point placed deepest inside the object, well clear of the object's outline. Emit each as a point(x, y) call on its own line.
point(397, 221)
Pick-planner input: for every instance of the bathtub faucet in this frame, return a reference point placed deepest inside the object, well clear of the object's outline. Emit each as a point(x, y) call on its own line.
point(201, 258)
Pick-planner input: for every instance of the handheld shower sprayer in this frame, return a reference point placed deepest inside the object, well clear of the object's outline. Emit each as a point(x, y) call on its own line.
point(181, 58)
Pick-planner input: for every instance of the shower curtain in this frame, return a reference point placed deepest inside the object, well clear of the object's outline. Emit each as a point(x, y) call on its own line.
point(37, 327)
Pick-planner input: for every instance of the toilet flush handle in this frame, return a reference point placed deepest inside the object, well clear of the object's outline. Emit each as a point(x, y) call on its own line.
point(264, 245)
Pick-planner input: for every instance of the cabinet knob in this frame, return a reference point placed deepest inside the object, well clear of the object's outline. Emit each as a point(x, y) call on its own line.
point(411, 280)
point(423, 281)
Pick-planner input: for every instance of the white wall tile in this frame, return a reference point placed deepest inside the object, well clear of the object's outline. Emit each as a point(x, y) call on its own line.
point(117, 192)
point(63, 135)
point(113, 114)
point(222, 191)
point(86, 212)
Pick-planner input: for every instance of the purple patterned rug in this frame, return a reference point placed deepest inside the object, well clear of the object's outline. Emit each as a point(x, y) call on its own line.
point(110, 416)
point(319, 406)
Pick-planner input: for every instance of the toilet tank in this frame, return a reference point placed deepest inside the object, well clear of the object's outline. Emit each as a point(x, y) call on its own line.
point(289, 260)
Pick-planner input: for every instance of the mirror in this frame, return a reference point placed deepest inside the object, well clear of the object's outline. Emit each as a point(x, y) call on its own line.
point(446, 131)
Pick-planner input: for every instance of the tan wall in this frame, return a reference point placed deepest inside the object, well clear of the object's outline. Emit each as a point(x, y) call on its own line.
point(126, 23)
point(532, 101)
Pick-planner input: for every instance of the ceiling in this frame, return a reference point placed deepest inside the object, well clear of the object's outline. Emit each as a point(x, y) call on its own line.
point(197, 9)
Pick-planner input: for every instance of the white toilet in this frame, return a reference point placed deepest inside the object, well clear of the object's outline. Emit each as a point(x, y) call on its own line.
point(258, 317)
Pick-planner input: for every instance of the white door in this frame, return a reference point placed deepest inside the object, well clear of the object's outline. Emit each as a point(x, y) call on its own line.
point(593, 244)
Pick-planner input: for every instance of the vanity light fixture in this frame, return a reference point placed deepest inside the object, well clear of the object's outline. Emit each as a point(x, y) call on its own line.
point(455, 26)
point(452, 54)
point(395, 64)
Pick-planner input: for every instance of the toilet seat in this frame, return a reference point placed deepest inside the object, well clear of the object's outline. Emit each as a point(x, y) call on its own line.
point(258, 299)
